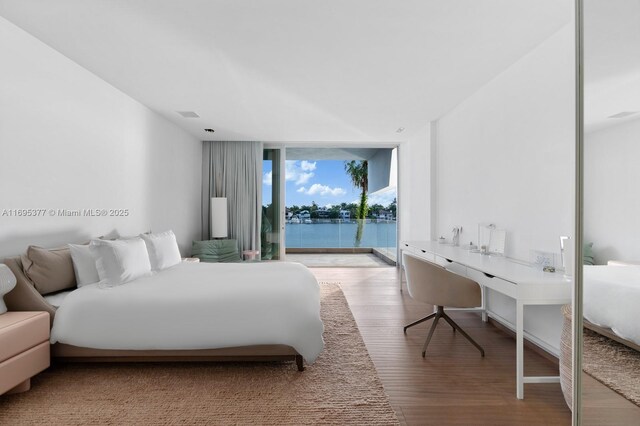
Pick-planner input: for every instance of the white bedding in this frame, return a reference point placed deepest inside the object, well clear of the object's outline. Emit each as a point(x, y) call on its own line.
point(198, 306)
point(56, 299)
point(612, 299)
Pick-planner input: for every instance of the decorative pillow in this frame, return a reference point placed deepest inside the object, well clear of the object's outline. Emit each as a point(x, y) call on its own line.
point(84, 264)
point(587, 254)
point(120, 261)
point(163, 250)
point(49, 270)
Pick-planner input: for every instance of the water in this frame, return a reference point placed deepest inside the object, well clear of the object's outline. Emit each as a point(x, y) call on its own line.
point(332, 235)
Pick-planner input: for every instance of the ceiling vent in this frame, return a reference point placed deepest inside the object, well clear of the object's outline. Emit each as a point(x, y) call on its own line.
point(188, 114)
point(624, 114)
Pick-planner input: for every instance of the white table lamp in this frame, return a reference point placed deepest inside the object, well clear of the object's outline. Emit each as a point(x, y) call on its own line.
point(219, 217)
point(7, 283)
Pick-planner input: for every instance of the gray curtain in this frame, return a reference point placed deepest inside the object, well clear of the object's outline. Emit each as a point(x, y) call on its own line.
point(234, 170)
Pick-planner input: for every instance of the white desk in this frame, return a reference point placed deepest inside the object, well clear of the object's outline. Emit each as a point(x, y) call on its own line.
point(528, 286)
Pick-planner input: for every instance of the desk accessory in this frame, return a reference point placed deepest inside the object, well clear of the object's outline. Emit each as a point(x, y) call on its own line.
point(542, 259)
point(493, 238)
point(566, 254)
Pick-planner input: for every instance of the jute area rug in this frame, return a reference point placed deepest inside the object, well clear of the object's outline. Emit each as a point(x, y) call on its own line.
point(340, 388)
point(613, 364)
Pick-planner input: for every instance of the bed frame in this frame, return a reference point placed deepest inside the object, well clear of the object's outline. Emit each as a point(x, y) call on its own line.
point(25, 297)
point(258, 353)
point(607, 332)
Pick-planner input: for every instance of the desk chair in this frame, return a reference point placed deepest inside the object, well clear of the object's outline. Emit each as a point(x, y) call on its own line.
point(431, 283)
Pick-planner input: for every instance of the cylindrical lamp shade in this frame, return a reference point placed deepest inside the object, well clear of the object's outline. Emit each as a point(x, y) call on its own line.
point(219, 217)
point(7, 283)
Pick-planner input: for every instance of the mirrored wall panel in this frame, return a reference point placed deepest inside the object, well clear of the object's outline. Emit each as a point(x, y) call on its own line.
point(611, 271)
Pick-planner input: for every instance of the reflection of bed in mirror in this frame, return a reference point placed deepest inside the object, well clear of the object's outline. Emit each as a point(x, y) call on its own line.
point(611, 302)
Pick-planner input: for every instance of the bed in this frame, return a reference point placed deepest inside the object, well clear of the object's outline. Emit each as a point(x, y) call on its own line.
point(611, 301)
point(191, 311)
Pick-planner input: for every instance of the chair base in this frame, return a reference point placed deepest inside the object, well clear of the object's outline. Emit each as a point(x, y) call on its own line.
point(437, 315)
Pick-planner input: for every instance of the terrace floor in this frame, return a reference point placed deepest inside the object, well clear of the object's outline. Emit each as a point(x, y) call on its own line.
point(337, 260)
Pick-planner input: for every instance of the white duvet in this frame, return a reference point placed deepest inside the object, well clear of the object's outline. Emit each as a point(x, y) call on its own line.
point(198, 306)
point(612, 299)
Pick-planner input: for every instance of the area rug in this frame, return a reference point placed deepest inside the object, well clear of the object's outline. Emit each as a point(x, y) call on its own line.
point(340, 388)
point(613, 364)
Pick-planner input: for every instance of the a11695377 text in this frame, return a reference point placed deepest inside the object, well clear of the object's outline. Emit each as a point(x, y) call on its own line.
point(64, 212)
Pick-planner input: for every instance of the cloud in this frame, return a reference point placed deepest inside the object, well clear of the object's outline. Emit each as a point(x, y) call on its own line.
point(384, 198)
point(304, 178)
point(299, 172)
point(301, 189)
point(322, 190)
point(307, 166)
point(267, 178)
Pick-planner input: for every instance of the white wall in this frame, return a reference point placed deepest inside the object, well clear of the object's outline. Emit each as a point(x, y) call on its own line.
point(69, 140)
point(506, 153)
point(611, 204)
point(380, 170)
point(414, 182)
point(506, 156)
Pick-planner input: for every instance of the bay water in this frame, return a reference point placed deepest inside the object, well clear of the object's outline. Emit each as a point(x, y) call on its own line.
point(339, 235)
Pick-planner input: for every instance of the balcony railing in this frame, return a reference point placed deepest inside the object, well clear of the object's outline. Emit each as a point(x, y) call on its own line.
point(336, 233)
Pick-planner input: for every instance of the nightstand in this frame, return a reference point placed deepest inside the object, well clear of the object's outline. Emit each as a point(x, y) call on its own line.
point(24, 349)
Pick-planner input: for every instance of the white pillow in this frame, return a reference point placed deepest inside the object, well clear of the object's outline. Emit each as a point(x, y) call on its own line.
point(84, 265)
point(120, 261)
point(163, 250)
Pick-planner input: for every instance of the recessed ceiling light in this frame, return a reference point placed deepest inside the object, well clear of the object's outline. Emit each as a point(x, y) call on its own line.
point(209, 130)
point(400, 130)
point(624, 114)
point(188, 114)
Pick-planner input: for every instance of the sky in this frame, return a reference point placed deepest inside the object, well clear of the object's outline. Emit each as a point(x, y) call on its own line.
point(322, 181)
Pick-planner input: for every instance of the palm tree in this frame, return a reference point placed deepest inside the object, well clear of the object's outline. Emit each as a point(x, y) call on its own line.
point(358, 171)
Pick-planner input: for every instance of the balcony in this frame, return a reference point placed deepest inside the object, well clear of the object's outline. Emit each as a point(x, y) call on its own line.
point(336, 235)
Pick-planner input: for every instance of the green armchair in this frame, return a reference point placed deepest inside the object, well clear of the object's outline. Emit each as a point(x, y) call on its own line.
point(216, 251)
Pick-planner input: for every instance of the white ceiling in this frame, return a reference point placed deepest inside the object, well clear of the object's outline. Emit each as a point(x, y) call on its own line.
point(294, 70)
point(332, 153)
point(612, 61)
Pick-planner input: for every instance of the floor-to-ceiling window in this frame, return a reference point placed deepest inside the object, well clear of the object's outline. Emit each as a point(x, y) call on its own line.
point(335, 201)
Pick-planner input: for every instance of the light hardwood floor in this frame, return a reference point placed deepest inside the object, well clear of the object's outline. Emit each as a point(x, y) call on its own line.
point(453, 384)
